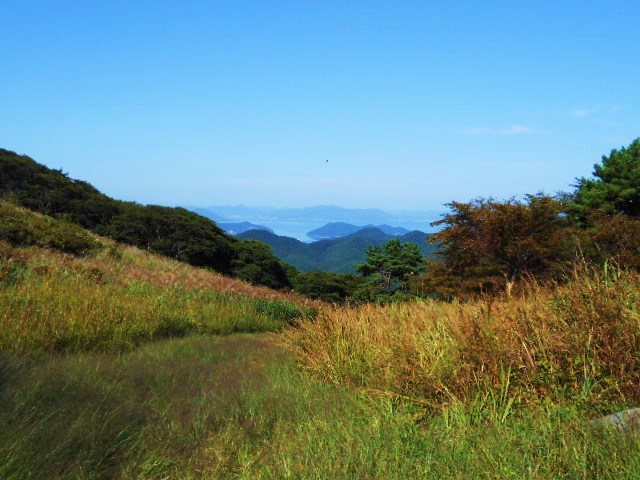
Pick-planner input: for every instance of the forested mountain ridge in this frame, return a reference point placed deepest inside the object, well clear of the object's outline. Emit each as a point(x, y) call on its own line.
point(174, 232)
point(340, 255)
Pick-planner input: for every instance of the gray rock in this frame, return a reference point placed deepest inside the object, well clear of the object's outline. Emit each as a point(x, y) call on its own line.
point(627, 420)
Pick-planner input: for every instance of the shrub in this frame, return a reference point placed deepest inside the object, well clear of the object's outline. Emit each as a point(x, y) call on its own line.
point(22, 228)
point(329, 287)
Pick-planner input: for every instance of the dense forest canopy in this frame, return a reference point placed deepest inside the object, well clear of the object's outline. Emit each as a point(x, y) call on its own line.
point(335, 255)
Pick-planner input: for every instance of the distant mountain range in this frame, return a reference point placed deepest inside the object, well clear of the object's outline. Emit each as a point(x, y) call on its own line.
point(340, 255)
point(320, 213)
point(297, 222)
point(342, 229)
point(210, 215)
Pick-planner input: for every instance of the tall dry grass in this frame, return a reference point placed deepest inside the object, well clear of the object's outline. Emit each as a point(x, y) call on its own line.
point(117, 299)
point(20, 227)
point(579, 341)
point(130, 264)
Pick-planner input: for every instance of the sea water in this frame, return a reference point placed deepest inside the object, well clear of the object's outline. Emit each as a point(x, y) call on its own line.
point(299, 230)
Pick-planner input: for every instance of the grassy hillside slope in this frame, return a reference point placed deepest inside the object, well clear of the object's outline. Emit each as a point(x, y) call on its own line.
point(111, 367)
point(173, 232)
point(109, 296)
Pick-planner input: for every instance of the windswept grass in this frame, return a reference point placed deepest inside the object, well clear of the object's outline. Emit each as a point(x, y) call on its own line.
point(236, 408)
point(20, 227)
point(491, 389)
point(578, 342)
point(107, 296)
point(55, 302)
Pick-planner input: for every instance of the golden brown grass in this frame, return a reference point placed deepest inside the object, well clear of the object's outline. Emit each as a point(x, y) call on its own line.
point(134, 265)
point(121, 297)
point(235, 407)
point(579, 341)
point(115, 261)
point(108, 296)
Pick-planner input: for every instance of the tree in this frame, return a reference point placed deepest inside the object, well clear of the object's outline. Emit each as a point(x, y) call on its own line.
point(176, 233)
point(391, 263)
point(254, 262)
point(612, 237)
point(487, 245)
point(330, 287)
point(616, 188)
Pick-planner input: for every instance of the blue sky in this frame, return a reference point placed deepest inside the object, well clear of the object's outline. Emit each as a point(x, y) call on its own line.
point(414, 104)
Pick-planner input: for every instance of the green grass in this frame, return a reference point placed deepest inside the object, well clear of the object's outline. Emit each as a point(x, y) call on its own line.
point(19, 226)
point(237, 407)
point(63, 289)
point(112, 366)
point(62, 304)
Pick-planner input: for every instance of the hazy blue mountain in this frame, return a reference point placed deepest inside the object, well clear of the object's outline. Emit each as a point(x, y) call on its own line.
point(296, 222)
point(340, 255)
point(210, 215)
point(229, 226)
point(241, 212)
point(333, 230)
point(321, 213)
point(240, 227)
point(342, 229)
point(389, 230)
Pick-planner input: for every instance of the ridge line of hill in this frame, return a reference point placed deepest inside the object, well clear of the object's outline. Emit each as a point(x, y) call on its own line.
point(174, 232)
point(340, 255)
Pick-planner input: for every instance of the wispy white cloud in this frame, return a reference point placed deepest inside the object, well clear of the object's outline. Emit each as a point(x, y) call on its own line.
point(581, 112)
point(517, 129)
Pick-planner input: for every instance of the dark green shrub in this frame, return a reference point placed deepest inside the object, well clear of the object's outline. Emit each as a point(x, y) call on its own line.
point(22, 228)
point(329, 287)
